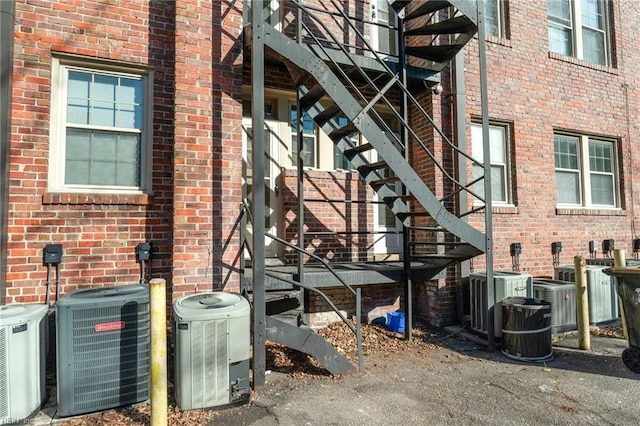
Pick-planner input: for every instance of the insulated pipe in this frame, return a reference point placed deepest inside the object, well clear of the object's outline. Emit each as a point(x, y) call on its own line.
point(619, 260)
point(582, 303)
point(157, 303)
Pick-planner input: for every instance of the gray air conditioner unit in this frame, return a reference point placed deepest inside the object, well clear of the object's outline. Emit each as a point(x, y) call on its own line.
point(104, 348)
point(22, 361)
point(607, 261)
point(601, 292)
point(562, 297)
point(212, 350)
point(507, 284)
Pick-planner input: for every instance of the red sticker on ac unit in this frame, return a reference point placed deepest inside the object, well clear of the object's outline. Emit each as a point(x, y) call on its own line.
point(109, 326)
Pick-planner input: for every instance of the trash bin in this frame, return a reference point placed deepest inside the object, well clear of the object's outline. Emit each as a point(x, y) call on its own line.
point(526, 329)
point(627, 281)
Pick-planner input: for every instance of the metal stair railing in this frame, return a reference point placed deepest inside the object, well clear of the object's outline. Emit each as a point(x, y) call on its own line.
point(393, 82)
point(357, 329)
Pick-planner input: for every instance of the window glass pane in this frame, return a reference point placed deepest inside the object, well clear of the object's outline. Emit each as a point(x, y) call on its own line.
point(492, 17)
point(499, 162)
point(78, 97)
point(386, 29)
point(560, 40)
point(102, 158)
point(602, 189)
point(566, 152)
point(591, 13)
point(559, 9)
point(594, 49)
point(496, 136)
point(600, 157)
point(568, 187)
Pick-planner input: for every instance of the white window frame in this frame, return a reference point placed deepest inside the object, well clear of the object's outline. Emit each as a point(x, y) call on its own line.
point(584, 172)
point(293, 151)
point(477, 152)
point(500, 7)
point(61, 64)
point(575, 25)
point(376, 29)
point(275, 13)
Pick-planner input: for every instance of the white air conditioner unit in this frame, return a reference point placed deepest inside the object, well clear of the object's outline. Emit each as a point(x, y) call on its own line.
point(562, 296)
point(22, 361)
point(212, 350)
point(507, 284)
point(601, 292)
point(606, 261)
point(103, 348)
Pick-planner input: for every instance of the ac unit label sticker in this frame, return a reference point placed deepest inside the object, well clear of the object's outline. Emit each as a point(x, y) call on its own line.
point(109, 326)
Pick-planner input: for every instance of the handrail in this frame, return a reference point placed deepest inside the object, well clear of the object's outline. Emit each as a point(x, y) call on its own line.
point(357, 330)
point(310, 34)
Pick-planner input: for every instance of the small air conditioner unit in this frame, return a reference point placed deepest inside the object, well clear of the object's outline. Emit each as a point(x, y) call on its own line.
point(22, 361)
point(562, 296)
point(507, 284)
point(606, 261)
point(212, 350)
point(103, 348)
point(601, 292)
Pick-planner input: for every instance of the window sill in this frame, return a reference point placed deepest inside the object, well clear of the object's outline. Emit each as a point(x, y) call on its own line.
point(501, 209)
point(70, 198)
point(564, 211)
point(582, 63)
point(498, 40)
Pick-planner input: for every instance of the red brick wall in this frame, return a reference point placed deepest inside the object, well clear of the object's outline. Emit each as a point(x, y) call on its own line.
point(350, 221)
point(196, 147)
point(540, 92)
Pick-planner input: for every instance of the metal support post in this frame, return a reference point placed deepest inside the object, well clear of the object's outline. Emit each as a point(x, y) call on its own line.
point(258, 196)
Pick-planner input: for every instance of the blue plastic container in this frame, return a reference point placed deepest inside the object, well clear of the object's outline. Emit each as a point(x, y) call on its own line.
point(395, 322)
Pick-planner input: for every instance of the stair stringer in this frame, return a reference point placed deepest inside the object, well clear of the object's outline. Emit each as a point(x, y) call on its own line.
point(308, 341)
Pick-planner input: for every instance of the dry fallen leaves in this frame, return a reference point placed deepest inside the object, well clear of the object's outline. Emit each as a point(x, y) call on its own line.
point(375, 340)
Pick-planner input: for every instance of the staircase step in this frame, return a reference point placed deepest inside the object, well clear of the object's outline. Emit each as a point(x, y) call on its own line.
point(403, 216)
point(308, 97)
point(437, 53)
point(347, 130)
point(456, 25)
point(427, 8)
point(385, 181)
point(350, 153)
point(378, 165)
point(327, 114)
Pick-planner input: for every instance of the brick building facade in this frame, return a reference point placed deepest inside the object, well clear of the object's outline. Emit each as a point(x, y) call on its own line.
point(187, 59)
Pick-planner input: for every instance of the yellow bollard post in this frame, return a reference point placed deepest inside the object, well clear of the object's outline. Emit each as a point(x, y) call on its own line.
point(582, 303)
point(619, 260)
point(157, 302)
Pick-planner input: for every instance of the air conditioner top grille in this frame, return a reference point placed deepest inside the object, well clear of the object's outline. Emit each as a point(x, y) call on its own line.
point(212, 305)
point(16, 314)
point(114, 295)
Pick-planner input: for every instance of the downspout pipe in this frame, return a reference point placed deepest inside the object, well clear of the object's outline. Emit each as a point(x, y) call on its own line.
point(7, 10)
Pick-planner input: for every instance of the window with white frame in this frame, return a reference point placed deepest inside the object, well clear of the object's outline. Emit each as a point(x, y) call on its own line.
point(499, 138)
point(586, 171)
point(270, 10)
point(309, 138)
point(100, 127)
point(385, 29)
point(495, 18)
point(580, 29)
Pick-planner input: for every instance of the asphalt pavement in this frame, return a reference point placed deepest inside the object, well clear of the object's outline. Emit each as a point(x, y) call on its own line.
point(458, 383)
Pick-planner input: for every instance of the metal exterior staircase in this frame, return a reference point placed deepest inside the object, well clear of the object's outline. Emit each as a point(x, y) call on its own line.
point(333, 84)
